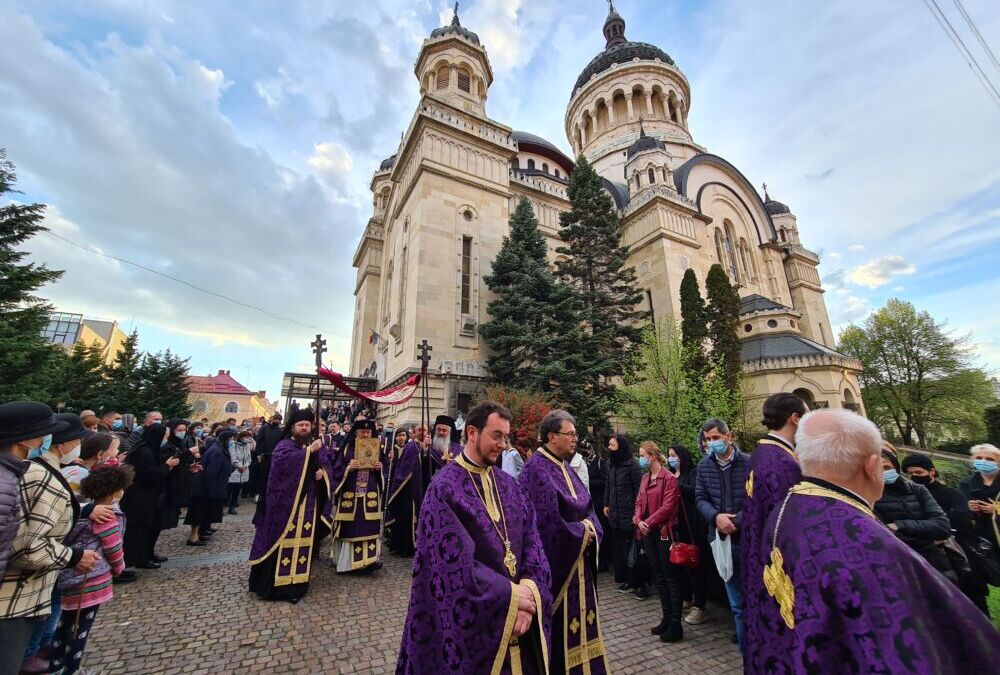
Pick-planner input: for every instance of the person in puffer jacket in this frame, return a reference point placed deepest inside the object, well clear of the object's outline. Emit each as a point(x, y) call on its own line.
point(11, 470)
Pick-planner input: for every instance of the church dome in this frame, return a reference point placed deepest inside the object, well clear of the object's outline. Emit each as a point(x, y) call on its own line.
point(644, 142)
point(775, 208)
point(455, 28)
point(387, 163)
point(619, 50)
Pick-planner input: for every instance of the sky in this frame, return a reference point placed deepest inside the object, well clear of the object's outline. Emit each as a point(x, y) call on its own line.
point(230, 144)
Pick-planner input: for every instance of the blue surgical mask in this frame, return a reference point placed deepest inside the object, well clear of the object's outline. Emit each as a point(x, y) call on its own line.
point(986, 466)
point(673, 462)
point(199, 432)
point(180, 434)
point(232, 444)
point(116, 425)
point(890, 476)
point(643, 463)
point(718, 446)
point(41, 449)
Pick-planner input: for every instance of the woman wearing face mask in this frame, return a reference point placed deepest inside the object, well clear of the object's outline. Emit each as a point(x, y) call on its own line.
point(209, 488)
point(142, 501)
point(620, 491)
point(240, 459)
point(655, 517)
point(982, 490)
point(93, 451)
point(910, 511)
point(690, 530)
point(177, 491)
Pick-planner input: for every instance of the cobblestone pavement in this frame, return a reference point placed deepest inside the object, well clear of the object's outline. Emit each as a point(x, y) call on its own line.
point(194, 616)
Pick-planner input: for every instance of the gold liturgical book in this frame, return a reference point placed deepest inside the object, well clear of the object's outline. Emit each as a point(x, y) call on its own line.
point(366, 451)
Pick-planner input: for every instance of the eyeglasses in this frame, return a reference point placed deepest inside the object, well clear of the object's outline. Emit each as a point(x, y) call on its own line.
point(571, 434)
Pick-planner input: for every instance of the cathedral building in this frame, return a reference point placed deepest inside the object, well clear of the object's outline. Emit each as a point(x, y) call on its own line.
point(442, 203)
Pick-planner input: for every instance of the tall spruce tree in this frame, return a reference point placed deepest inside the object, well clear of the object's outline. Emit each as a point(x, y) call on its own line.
point(122, 388)
point(694, 325)
point(77, 380)
point(609, 315)
point(723, 321)
point(163, 384)
point(532, 315)
point(24, 354)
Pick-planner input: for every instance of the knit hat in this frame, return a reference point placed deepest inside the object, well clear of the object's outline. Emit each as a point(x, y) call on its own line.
point(918, 460)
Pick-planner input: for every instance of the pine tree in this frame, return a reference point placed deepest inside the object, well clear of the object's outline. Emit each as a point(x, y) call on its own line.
point(24, 354)
point(595, 268)
point(76, 380)
point(723, 322)
point(694, 325)
point(163, 386)
point(122, 388)
point(531, 314)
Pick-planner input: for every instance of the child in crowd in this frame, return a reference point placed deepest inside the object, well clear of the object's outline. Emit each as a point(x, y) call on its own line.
point(84, 593)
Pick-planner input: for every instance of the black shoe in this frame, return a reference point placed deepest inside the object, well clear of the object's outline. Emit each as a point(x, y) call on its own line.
point(203, 540)
point(212, 530)
point(674, 633)
point(149, 566)
point(126, 577)
point(294, 601)
point(641, 594)
point(205, 535)
point(624, 588)
point(659, 628)
point(159, 558)
point(200, 542)
point(232, 511)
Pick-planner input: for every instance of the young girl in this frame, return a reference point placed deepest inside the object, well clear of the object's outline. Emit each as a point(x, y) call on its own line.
point(83, 594)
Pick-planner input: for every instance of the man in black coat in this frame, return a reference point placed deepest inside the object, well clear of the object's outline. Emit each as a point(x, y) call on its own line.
point(260, 468)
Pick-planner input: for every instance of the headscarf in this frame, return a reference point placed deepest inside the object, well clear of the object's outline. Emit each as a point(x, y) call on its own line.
point(172, 425)
point(153, 436)
point(624, 452)
point(918, 460)
point(684, 455)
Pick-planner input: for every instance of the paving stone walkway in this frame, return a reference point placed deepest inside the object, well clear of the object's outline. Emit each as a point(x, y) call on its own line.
point(194, 616)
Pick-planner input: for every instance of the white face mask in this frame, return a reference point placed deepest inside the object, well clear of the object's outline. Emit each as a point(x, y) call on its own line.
point(70, 456)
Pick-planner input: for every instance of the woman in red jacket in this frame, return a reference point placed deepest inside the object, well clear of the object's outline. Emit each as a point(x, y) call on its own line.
point(655, 520)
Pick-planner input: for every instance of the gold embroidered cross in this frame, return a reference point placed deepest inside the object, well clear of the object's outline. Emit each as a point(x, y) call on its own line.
point(574, 625)
point(779, 586)
point(591, 617)
point(371, 546)
point(358, 549)
point(302, 559)
point(286, 561)
point(307, 526)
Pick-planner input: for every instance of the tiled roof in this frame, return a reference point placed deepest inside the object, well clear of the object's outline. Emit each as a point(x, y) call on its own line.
point(223, 383)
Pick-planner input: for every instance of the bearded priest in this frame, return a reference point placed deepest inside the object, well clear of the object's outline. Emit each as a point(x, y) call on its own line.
point(297, 516)
point(571, 534)
point(479, 599)
point(357, 496)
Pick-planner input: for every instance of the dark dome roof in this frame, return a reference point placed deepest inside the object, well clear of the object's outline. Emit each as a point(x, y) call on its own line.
point(621, 53)
point(455, 28)
point(387, 162)
point(774, 208)
point(644, 142)
point(525, 137)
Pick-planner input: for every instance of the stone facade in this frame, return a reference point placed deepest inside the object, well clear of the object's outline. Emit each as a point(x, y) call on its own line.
point(442, 203)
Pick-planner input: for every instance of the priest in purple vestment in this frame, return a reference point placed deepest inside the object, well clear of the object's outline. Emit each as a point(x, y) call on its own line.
point(357, 511)
point(479, 600)
point(773, 470)
point(844, 594)
point(405, 494)
point(297, 516)
point(570, 533)
point(443, 448)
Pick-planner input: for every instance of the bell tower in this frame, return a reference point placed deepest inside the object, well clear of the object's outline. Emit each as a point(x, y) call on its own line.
point(453, 67)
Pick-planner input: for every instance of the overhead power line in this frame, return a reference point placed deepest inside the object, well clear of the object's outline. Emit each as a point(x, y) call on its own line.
point(979, 36)
point(956, 40)
point(221, 296)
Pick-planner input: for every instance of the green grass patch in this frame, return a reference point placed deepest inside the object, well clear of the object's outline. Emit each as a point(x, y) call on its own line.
point(993, 600)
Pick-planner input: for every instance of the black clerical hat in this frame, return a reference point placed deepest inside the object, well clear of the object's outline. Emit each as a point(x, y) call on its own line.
point(445, 420)
point(22, 420)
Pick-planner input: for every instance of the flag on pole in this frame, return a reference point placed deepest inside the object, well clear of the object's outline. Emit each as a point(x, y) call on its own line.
point(374, 338)
point(392, 396)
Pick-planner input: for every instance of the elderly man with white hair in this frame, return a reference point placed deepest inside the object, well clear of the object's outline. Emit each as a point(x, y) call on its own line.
point(844, 594)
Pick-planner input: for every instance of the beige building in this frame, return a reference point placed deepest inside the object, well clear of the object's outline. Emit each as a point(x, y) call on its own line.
point(442, 203)
point(68, 329)
point(219, 397)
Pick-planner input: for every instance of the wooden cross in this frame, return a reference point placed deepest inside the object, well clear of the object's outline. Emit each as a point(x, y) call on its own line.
point(319, 346)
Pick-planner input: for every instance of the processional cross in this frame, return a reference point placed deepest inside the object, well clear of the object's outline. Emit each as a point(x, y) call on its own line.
point(319, 346)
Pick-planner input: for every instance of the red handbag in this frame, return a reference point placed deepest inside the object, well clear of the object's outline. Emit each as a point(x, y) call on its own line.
point(681, 554)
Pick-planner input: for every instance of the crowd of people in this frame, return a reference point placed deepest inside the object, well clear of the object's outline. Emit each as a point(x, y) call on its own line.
point(84, 499)
point(828, 546)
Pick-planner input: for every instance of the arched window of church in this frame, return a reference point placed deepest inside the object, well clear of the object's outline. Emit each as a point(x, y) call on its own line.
point(652, 176)
point(744, 262)
point(557, 174)
point(463, 80)
point(731, 251)
point(232, 407)
point(781, 233)
point(638, 183)
point(443, 75)
point(531, 164)
point(515, 164)
point(545, 167)
point(401, 300)
point(718, 246)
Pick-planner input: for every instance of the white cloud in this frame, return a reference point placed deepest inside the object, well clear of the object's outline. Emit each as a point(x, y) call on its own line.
point(834, 255)
point(879, 271)
point(331, 160)
point(856, 248)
